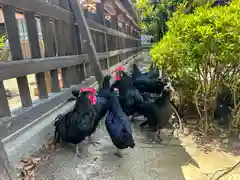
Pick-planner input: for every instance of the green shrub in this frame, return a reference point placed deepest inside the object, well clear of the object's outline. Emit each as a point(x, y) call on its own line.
point(201, 50)
point(4, 52)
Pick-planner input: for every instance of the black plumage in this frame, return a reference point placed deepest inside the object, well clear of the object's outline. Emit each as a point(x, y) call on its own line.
point(147, 82)
point(77, 124)
point(100, 107)
point(158, 113)
point(128, 94)
point(153, 73)
point(144, 84)
point(118, 125)
point(136, 72)
point(224, 106)
point(220, 3)
point(75, 94)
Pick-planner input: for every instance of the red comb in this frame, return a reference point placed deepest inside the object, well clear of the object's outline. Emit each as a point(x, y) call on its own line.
point(89, 89)
point(91, 96)
point(117, 70)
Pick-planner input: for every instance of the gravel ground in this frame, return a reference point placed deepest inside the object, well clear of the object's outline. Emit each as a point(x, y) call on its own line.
point(145, 162)
point(179, 160)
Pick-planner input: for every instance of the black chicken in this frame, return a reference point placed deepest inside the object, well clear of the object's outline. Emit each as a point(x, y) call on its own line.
point(77, 124)
point(149, 98)
point(220, 3)
point(136, 72)
point(153, 73)
point(147, 82)
point(158, 113)
point(75, 94)
point(144, 84)
point(128, 94)
point(118, 126)
point(102, 102)
point(224, 106)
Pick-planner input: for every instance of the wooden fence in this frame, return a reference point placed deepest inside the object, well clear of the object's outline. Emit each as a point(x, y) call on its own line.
point(65, 49)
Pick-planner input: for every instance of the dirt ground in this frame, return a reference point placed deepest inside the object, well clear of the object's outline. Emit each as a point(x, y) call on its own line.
point(179, 160)
point(11, 84)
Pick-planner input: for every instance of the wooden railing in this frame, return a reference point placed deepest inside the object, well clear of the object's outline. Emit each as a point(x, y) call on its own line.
point(64, 49)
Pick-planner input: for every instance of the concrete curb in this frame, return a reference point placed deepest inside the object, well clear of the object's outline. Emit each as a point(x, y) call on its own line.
point(30, 138)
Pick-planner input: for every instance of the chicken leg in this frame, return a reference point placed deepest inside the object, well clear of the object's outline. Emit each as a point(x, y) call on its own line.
point(92, 142)
point(118, 153)
point(78, 153)
point(157, 134)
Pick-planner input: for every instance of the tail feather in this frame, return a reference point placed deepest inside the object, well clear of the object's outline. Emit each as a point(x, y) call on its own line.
point(71, 99)
point(56, 134)
point(56, 137)
point(129, 141)
point(60, 128)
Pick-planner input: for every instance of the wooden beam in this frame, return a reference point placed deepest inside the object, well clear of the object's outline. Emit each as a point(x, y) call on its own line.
point(40, 7)
point(14, 69)
point(84, 29)
point(48, 40)
point(7, 172)
point(35, 52)
point(124, 9)
point(16, 51)
point(102, 41)
point(98, 27)
point(4, 106)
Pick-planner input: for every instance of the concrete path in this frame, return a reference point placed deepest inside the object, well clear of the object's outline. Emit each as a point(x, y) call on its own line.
point(180, 160)
point(145, 162)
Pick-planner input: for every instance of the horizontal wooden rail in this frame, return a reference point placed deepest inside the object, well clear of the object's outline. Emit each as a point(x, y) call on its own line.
point(55, 12)
point(121, 4)
point(13, 69)
point(40, 7)
point(103, 29)
point(115, 53)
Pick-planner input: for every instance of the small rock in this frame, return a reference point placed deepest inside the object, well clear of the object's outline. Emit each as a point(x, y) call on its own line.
point(225, 141)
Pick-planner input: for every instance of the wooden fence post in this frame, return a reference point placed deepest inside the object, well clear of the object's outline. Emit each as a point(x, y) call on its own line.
point(15, 46)
point(4, 107)
point(114, 39)
point(79, 68)
point(48, 39)
point(35, 52)
point(84, 29)
point(103, 40)
point(7, 172)
point(64, 40)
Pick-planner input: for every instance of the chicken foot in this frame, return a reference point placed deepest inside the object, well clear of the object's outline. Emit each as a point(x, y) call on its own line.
point(157, 135)
point(78, 152)
point(92, 142)
point(118, 153)
point(142, 125)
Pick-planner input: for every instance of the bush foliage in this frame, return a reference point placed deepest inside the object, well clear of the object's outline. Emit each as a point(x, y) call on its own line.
point(201, 50)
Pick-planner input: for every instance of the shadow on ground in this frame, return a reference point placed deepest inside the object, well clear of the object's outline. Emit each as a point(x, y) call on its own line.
point(215, 140)
point(145, 162)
